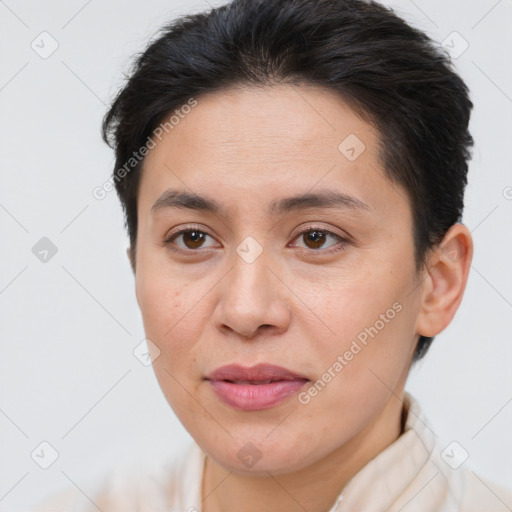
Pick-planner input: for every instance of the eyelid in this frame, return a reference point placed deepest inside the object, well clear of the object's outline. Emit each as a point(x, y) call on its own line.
point(343, 241)
point(311, 226)
point(171, 235)
point(188, 227)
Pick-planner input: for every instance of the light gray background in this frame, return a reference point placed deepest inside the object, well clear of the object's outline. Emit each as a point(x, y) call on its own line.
point(68, 327)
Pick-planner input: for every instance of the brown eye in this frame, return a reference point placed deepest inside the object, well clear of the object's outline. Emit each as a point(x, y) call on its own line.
point(314, 237)
point(192, 239)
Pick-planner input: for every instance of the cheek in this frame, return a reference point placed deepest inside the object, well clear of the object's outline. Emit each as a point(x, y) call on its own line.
point(174, 315)
point(171, 324)
point(159, 302)
point(349, 305)
point(161, 289)
point(371, 332)
point(166, 317)
point(166, 291)
point(355, 379)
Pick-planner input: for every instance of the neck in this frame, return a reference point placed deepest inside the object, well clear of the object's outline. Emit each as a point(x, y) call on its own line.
point(313, 488)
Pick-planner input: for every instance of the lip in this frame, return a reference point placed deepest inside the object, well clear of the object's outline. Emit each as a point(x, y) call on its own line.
point(248, 388)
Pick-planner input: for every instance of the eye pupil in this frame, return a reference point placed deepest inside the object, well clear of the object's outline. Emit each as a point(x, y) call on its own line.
point(196, 236)
point(316, 236)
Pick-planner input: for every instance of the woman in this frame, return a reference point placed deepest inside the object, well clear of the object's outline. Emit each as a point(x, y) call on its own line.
point(292, 175)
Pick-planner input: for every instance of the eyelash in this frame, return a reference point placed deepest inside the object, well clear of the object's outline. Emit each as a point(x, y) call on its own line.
point(344, 241)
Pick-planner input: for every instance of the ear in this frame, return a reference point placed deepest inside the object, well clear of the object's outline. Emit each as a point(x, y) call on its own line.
point(444, 285)
point(130, 258)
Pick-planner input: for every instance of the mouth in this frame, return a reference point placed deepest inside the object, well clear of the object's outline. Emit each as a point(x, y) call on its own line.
point(254, 388)
point(254, 382)
point(263, 373)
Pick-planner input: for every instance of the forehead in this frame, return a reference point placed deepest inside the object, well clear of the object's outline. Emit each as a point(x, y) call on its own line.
point(262, 122)
point(249, 142)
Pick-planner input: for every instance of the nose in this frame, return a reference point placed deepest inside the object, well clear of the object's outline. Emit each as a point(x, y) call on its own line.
point(254, 300)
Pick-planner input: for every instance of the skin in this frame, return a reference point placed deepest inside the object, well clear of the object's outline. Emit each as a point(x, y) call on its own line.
point(296, 305)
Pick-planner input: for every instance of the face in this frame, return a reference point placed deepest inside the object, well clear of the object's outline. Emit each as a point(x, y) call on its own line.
point(327, 290)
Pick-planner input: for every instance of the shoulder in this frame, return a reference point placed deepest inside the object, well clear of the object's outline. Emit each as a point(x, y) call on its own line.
point(152, 486)
point(454, 477)
point(59, 502)
point(479, 493)
point(441, 472)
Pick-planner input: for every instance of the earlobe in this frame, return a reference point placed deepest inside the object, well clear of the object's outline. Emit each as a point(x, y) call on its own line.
point(448, 272)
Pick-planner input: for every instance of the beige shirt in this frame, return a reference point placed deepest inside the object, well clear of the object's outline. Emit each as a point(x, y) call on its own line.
point(415, 473)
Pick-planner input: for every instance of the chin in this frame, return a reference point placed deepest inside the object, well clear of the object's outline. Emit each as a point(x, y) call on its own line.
point(262, 457)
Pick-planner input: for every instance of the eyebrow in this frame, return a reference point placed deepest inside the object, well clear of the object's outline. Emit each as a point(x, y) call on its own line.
point(322, 199)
